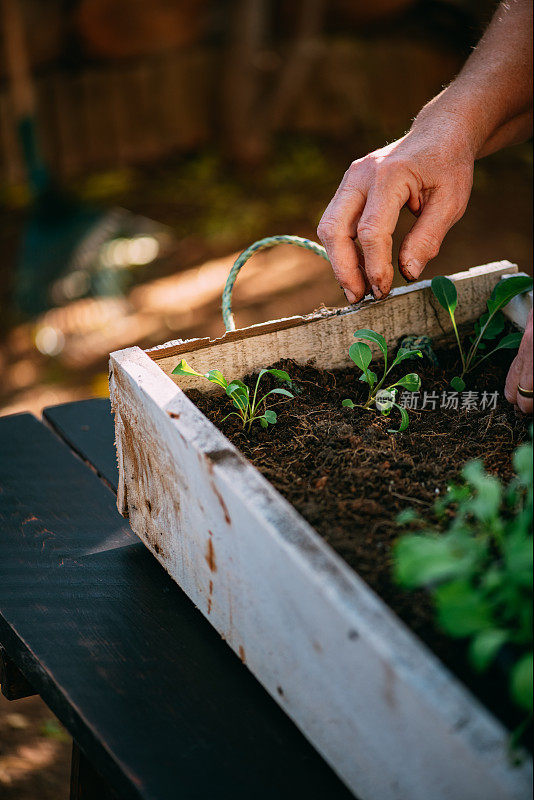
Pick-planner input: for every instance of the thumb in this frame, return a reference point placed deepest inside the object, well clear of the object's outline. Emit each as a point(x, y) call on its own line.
point(424, 240)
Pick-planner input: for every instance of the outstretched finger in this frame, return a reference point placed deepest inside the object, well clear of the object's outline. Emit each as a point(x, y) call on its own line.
point(424, 240)
point(337, 231)
point(375, 234)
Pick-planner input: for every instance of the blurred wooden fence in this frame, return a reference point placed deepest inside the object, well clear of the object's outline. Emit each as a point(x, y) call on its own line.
point(114, 115)
point(121, 113)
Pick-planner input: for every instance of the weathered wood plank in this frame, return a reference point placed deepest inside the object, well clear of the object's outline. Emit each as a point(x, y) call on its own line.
point(325, 337)
point(87, 427)
point(371, 697)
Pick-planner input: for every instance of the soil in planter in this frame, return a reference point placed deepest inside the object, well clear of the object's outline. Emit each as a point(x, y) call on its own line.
point(349, 478)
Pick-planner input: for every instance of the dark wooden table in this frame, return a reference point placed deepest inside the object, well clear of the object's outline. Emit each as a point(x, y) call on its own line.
point(157, 704)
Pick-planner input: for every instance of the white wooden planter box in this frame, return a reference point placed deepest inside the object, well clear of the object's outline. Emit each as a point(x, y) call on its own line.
point(392, 721)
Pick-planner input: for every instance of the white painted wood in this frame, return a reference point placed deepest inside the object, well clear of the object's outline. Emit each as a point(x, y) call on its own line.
point(378, 705)
point(323, 336)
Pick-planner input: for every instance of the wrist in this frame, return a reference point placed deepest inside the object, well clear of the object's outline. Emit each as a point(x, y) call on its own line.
point(452, 120)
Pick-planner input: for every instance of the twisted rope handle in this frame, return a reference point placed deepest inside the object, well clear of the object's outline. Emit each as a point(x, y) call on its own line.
point(261, 244)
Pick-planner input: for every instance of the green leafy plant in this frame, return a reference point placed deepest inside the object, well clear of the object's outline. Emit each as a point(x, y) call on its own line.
point(381, 395)
point(488, 327)
point(477, 564)
point(250, 405)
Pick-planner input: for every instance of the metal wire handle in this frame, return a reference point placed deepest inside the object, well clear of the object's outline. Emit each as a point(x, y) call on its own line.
point(261, 244)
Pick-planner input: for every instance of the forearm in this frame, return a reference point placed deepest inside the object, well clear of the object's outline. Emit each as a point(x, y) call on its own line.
point(516, 130)
point(490, 102)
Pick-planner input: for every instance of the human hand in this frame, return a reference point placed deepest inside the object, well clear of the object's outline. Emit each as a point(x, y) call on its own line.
point(430, 170)
point(520, 373)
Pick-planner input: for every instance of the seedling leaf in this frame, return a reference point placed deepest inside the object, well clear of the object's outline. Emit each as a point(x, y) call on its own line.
point(461, 609)
point(411, 382)
point(488, 494)
point(279, 390)
point(361, 354)
point(405, 419)
point(348, 404)
point(458, 384)
point(485, 646)
point(521, 682)
point(216, 376)
point(183, 368)
point(506, 289)
point(234, 385)
point(493, 328)
point(423, 560)
point(281, 374)
point(369, 377)
point(239, 394)
point(372, 336)
point(445, 293)
point(523, 464)
point(509, 342)
point(403, 354)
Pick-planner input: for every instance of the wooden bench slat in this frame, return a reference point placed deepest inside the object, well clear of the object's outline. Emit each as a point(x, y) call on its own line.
point(88, 428)
point(156, 701)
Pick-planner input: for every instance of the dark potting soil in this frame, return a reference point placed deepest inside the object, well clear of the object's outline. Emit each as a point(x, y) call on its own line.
point(349, 477)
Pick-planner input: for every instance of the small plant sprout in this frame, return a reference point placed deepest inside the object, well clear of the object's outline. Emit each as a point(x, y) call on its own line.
point(382, 396)
point(250, 406)
point(488, 327)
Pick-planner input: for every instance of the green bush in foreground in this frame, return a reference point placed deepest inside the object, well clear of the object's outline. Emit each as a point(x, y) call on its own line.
point(477, 565)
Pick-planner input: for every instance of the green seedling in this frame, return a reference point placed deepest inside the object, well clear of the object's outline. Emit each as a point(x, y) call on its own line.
point(250, 406)
point(381, 395)
point(475, 560)
point(488, 327)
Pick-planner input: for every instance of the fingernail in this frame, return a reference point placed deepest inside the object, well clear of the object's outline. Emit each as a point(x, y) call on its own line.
point(406, 275)
point(409, 269)
point(377, 292)
point(351, 297)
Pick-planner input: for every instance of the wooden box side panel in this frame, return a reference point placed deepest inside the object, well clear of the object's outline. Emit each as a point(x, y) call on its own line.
point(381, 709)
point(326, 337)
